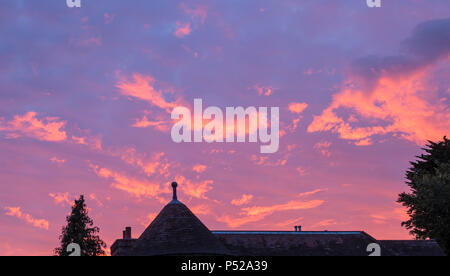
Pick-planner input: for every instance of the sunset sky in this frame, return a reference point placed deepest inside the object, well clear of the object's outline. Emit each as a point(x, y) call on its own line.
point(86, 96)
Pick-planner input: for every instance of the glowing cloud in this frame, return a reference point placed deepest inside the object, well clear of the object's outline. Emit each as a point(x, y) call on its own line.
point(395, 94)
point(264, 90)
point(142, 87)
point(183, 29)
point(297, 107)
point(194, 189)
point(312, 192)
point(60, 198)
point(137, 188)
point(199, 168)
point(47, 129)
point(16, 212)
point(257, 213)
point(291, 205)
point(323, 147)
point(158, 125)
point(244, 199)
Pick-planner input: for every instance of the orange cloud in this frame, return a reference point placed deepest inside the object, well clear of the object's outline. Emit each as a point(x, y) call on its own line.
point(156, 163)
point(61, 198)
point(257, 213)
point(291, 205)
point(324, 223)
point(159, 125)
point(301, 171)
point(47, 129)
point(16, 212)
point(323, 148)
point(57, 161)
point(297, 107)
point(244, 199)
point(183, 29)
point(199, 168)
point(311, 192)
point(142, 87)
point(91, 141)
point(264, 90)
point(194, 189)
point(137, 188)
point(401, 105)
point(201, 209)
point(148, 219)
point(290, 222)
point(236, 222)
point(94, 198)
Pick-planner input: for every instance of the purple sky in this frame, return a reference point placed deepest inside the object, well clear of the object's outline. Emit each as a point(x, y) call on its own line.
point(86, 95)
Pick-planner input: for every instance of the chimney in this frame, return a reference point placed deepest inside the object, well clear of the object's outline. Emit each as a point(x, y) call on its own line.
point(127, 233)
point(295, 228)
point(299, 228)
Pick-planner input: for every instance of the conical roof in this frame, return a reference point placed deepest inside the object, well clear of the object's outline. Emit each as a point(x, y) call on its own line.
point(177, 231)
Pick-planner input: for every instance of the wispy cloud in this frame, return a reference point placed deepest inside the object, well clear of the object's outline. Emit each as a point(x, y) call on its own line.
point(244, 199)
point(142, 87)
point(311, 192)
point(133, 186)
point(61, 198)
point(28, 125)
point(199, 168)
point(16, 212)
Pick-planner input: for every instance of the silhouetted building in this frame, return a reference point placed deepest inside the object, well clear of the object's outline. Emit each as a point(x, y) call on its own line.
point(177, 231)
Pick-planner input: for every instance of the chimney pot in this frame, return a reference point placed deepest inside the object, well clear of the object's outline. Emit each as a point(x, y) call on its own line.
point(127, 233)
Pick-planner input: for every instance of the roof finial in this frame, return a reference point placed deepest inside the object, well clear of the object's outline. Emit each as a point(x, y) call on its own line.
point(174, 187)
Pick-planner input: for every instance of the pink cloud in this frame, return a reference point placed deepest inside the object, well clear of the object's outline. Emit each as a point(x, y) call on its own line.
point(150, 165)
point(199, 168)
point(312, 192)
point(197, 189)
point(183, 29)
point(61, 198)
point(263, 90)
point(94, 198)
point(301, 171)
point(200, 12)
point(323, 147)
point(297, 107)
point(291, 205)
point(142, 87)
point(201, 209)
point(16, 212)
point(162, 126)
point(57, 161)
point(46, 129)
point(257, 213)
point(324, 223)
point(244, 199)
point(404, 107)
point(135, 187)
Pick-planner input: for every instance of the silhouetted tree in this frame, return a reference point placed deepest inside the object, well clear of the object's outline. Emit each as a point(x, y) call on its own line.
point(80, 230)
point(429, 201)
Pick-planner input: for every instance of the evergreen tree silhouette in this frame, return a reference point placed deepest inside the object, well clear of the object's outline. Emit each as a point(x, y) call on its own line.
point(429, 201)
point(80, 230)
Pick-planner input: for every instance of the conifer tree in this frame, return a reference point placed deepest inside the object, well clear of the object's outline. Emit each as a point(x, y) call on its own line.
point(80, 230)
point(428, 202)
